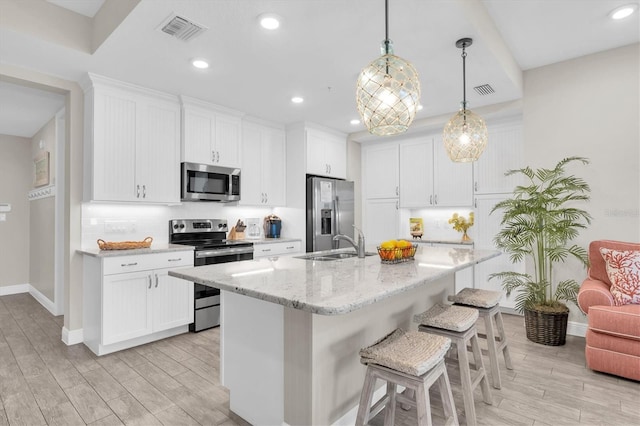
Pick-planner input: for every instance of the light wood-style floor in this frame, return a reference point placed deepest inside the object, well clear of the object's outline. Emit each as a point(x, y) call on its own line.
point(176, 381)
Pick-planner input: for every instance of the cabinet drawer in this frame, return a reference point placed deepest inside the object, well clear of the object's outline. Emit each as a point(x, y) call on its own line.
point(145, 262)
point(276, 249)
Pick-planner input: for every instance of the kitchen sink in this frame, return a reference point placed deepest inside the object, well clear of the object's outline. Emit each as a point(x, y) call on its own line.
point(325, 257)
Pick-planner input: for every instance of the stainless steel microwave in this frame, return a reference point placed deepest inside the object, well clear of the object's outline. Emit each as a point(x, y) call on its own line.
point(201, 182)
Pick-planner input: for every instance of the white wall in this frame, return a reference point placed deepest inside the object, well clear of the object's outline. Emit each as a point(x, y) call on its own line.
point(15, 183)
point(590, 107)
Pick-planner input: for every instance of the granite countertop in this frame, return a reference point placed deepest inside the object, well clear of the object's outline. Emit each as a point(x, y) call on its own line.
point(332, 287)
point(155, 248)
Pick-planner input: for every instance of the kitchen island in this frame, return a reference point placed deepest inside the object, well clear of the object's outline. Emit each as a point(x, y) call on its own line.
point(292, 327)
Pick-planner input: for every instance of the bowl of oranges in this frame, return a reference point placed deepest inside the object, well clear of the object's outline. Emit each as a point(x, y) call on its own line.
point(396, 251)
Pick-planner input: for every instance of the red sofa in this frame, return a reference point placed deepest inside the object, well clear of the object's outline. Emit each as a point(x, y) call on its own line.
point(613, 336)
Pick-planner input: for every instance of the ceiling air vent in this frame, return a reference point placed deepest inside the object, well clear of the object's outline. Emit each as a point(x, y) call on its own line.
point(485, 89)
point(182, 28)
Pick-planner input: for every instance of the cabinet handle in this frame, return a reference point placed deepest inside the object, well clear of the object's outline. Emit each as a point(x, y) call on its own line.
point(289, 248)
point(129, 264)
point(144, 191)
point(475, 203)
point(397, 190)
point(329, 168)
point(174, 260)
point(137, 191)
point(435, 199)
point(431, 199)
point(156, 281)
point(397, 205)
point(213, 156)
point(217, 156)
point(266, 198)
point(475, 186)
point(149, 276)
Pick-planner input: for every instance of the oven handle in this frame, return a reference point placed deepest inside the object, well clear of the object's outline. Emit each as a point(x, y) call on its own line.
point(223, 252)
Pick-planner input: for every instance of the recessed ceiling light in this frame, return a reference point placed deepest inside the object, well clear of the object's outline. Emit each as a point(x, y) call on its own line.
point(623, 11)
point(297, 100)
point(269, 21)
point(420, 107)
point(200, 63)
point(355, 121)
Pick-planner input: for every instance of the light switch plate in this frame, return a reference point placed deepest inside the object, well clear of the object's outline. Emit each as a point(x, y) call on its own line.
point(3, 217)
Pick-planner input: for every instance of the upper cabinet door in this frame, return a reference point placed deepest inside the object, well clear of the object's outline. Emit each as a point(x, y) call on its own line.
point(416, 173)
point(199, 129)
point(380, 171)
point(115, 134)
point(227, 140)
point(157, 153)
point(251, 176)
point(273, 167)
point(504, 152)
point(452, 182)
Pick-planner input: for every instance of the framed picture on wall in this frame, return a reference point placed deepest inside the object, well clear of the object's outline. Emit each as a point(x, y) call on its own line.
point(41, 170)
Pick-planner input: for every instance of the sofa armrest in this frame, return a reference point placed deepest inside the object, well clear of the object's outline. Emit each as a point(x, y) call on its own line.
point(594, 293)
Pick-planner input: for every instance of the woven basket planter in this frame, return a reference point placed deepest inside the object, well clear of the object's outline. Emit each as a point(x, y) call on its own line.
point(546, 328)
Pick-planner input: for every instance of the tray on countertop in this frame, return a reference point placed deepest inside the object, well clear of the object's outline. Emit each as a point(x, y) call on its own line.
point(124, 245)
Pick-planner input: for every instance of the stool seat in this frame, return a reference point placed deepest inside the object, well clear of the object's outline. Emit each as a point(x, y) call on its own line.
point(477, 297)
point(448, 317)
point(410, 359)
point(411, 352)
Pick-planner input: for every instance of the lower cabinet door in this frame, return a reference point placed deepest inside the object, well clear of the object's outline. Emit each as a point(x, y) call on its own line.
point(127, 310)
point(172, 301)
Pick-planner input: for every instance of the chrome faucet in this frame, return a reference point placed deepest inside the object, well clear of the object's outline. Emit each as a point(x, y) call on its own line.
point(359, 246)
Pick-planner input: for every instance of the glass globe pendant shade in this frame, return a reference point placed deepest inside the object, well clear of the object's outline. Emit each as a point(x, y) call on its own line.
point(465, 136)
point(387, 95)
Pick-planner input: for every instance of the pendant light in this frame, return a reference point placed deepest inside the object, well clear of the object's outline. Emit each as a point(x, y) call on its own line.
point(388, 90)
point(465, 135)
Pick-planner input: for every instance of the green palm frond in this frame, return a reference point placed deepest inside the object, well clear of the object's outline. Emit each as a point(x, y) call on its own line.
point(538, 222)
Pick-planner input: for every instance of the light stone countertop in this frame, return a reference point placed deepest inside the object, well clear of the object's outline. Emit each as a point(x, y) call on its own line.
point(332, 287)
point(271, 240)
point(438, 241)
point(155, 248)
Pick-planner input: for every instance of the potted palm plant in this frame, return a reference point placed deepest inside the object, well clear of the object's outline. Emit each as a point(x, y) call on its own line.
point(538, 223)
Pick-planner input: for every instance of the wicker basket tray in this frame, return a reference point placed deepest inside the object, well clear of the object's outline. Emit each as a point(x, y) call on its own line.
point(397, 255)
point(124, 245)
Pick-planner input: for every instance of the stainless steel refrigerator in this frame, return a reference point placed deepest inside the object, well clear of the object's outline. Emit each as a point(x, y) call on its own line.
point(330, 211)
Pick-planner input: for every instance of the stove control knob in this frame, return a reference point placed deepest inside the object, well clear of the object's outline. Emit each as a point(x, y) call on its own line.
point(182, 226)
point(221, 226)
point(175, 226)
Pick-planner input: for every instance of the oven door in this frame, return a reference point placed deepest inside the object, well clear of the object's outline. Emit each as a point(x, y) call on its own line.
point(223, 255)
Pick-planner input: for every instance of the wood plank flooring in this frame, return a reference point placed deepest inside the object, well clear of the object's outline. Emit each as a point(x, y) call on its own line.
point(176, 381)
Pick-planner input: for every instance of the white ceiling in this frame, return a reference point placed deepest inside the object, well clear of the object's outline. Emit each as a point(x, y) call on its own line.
point(84, 7)
point(322, 46)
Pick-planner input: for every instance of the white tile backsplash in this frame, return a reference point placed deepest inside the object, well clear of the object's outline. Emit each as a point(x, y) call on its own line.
point(436, 226)
point(130, 222)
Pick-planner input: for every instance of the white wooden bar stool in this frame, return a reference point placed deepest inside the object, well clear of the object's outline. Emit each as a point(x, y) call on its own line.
point(410, 359)
point(487, 303)
point(458, 323)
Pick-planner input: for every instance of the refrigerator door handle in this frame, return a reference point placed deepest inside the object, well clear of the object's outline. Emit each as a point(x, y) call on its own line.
point(336, 222)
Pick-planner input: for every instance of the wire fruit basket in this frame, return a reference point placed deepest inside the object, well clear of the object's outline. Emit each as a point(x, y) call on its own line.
point(397, 254)
point(124, 245)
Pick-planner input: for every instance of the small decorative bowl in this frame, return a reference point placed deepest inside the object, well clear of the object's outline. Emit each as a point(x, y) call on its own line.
point(397, 255)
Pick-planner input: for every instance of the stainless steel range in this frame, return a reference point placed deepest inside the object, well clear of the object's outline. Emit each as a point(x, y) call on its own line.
point(208, 236)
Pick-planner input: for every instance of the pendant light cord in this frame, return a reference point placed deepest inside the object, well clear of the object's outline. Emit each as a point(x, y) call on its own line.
point(464, 78)
point(386, 27)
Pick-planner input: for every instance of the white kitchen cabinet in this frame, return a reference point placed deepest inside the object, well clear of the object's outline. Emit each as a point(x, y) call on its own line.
point(326, 154)
point(132, 142)
point(276, 249)
point(131, 300)
point(416, 173)
point(380, 171)
point(210, 135)
point(381, 220)
point(264, 160)
point(428, 178)
point(505, 151)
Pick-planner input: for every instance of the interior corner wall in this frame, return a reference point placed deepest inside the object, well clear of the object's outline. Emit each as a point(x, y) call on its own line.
point(589, 107)
point(42, 219)
point(15, 183)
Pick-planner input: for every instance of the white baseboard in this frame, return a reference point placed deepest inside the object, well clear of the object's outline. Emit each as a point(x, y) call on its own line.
point(14, 289)
point(44, 301)
point(72, 337)
point(577, 329)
